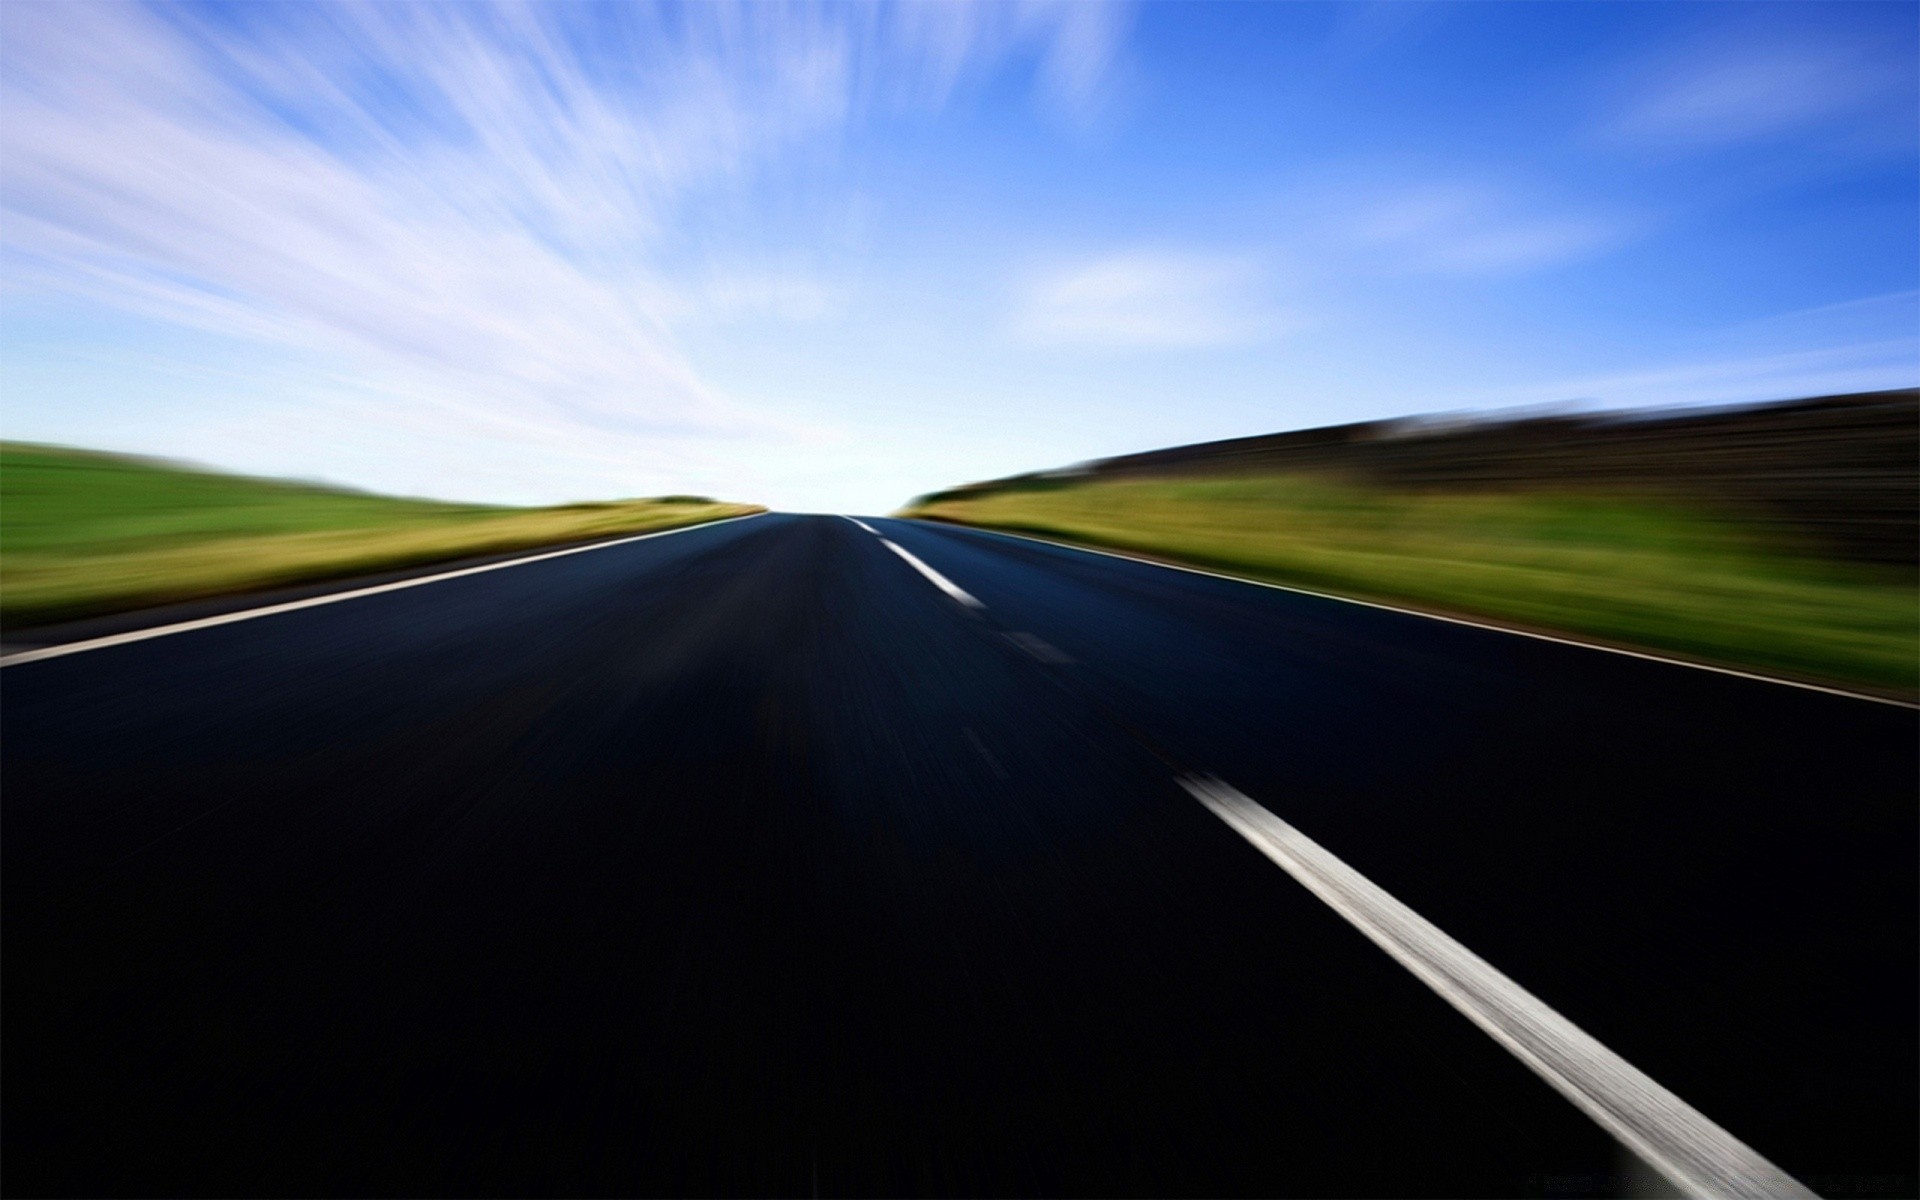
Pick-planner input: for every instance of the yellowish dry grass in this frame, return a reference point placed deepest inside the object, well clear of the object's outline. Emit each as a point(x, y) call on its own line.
point(83, 534)
point(1622, 568)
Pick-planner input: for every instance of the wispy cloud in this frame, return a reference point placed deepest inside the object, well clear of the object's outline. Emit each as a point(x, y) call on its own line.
point(731, 294)
point(1148, 301)
point(1462, 229)
point(1081, 60)
point(466, 208)
point(1749, 86)
point(941, 47)
point(1831, 370)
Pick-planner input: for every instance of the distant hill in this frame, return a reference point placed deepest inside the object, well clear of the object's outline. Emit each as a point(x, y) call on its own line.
point(1780, 538)
point(1842, 471)
point(84, 533)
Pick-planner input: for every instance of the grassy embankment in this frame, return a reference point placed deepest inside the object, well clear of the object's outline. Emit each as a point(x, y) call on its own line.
point(1618, 568)
point(84, 533)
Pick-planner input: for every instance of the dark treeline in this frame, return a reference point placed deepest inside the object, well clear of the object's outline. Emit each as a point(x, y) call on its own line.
point(1841, 472)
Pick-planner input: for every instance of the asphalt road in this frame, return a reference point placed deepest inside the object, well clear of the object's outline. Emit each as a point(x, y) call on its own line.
point(748, 861)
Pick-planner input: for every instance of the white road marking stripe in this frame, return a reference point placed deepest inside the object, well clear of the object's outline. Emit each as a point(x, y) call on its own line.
point(940, 581)
point(1040, 648)
point(141, 635)
point(1695, 1154)
point(1433, 616)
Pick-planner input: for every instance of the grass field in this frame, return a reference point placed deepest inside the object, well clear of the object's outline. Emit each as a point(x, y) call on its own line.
point(84, 533)
point(1620, 568)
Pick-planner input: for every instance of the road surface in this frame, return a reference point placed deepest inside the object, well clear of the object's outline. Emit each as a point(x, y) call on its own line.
point(800, 856)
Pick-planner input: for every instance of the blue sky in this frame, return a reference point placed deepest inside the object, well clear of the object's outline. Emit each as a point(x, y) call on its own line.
point(828, 257)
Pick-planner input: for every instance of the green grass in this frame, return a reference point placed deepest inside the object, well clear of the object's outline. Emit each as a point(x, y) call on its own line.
point(84, 533)
point(1620, 568)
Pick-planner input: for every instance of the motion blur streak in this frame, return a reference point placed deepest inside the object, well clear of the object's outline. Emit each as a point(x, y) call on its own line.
point(1506, 629)
point(744, 861)
point(61, 649)
point(932, 576)
point(465, 246)
point(1698, 1156)
point(1780, 538)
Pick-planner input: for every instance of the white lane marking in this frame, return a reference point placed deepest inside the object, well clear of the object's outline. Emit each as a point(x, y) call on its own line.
point(1433, 616)
point(141, 635)
point(1040, 648)
point(940, 581)
point(1697, 1155)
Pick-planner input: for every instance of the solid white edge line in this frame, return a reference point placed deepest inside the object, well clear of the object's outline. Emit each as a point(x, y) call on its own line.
point(1696, 1155)
point(862, 524)
point(140, 635)
point(940, 581)
point(1431, 616)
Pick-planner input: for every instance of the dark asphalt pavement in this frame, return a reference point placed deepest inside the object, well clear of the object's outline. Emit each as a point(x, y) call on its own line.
point(744, 861)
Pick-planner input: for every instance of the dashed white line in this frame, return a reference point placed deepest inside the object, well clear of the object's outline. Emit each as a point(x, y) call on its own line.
point(1434, 616)
point(1040, 648)
point(141, 635)
point(1692, 1152)
point(940, 581)
point(1696, 1155)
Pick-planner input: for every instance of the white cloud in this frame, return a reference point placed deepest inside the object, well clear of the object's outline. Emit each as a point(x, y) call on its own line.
point(736, 294)
point(1886, 317)
point(1148, 301)
point(1360, 27)
point(951, 44)
point(1461, 229)
point(1082, 45)
point(465, 209)
point(1748, 88)
point(1752, 378)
